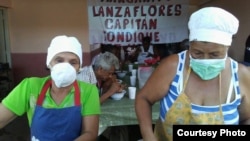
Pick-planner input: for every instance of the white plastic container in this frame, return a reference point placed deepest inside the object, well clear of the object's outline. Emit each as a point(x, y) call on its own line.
point(144, 72)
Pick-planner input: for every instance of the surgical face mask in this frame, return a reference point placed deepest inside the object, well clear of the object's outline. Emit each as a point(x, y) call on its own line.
point(63, 74)
point(207, 69)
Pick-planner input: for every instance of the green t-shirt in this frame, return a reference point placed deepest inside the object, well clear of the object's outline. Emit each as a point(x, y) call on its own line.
point(23, 98)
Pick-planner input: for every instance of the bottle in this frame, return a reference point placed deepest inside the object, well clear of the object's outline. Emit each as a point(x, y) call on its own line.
point(122, 54)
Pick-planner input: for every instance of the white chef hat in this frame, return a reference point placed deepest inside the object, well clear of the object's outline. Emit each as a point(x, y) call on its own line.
point(213, 24)
point(64, 43)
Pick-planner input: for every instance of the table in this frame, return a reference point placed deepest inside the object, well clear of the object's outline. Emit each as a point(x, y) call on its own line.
point(121, 112)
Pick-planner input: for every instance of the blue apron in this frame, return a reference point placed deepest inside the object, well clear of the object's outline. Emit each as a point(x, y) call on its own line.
point(56, 124)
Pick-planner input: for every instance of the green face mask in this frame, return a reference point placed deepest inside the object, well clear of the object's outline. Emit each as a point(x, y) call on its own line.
point(207, 69)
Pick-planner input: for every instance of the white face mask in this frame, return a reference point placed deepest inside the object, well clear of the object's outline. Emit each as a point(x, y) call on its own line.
point(63, 74)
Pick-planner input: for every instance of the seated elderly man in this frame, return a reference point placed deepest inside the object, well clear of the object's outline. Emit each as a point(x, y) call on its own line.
point(101, 73)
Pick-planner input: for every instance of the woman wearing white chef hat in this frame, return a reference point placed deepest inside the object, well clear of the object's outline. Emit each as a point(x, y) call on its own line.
point(58, 106)
point(201, 85)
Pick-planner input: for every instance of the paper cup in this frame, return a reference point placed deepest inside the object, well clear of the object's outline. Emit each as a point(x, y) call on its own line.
point(130, 67)
point(132, 92)
point(132, 80)
point(133, 72)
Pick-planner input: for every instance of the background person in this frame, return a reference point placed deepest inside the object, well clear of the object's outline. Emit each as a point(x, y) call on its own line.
point(102, 74)
point(201, 85)
point(108, 48)
point(58, 107)
point(143, 51)
point(146, 50)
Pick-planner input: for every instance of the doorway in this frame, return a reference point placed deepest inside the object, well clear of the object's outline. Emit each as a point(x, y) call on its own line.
point(6, 82)
point(4, 38)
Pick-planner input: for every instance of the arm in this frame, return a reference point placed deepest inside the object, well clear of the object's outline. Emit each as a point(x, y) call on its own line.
point(89, 128)
point(154, 89)
point(110, 87)
point(115, 87)
point(6, 116)
point(90, 111)
point(244, 83)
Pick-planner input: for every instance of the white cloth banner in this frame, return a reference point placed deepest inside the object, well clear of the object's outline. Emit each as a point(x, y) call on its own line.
point(126, 24)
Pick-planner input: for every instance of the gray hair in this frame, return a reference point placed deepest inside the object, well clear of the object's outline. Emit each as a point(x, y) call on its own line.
point(106, 61)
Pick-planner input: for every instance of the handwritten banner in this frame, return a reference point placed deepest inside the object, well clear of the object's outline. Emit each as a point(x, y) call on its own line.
point(111, 22)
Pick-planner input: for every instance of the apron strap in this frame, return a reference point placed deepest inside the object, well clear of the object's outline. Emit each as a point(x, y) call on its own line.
point(43, 92)
point(220, 94)
point(186, 79)
point(46, 87)
point(77, 94)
